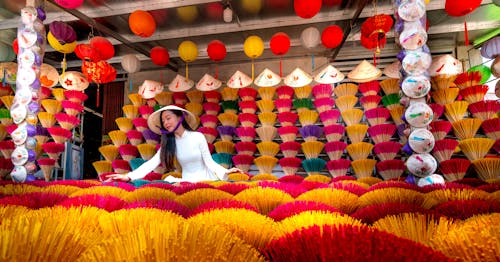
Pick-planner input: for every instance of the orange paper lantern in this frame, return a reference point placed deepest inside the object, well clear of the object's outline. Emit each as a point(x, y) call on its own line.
point(142, 23)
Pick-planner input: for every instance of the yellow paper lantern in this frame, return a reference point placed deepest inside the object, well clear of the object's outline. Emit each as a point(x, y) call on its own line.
point(253, 46)
point(188, 51)
point(252, 6)
point(65, 49)
point(187, 14)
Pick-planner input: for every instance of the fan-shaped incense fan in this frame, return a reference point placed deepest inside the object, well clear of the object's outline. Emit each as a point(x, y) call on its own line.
point(248, 106)
point(440, 129)
point(335, 149)
point(311, 132)
point(476, 148)
point(209, 133)
point(50, 105)
point(3, 132)
point(6, 147)
point(59, 134)
point(313, 166)
point(312, 149)
point(75, 96)
point(391, 101)
point(382, 133)
point(140, 124)
point(485, 109)
point(46, 165)
point(397, 114)
point(290, 148)
point(230, 106)
point(346, 89)
point(266, 93)
point(283, 105)
point(212, 96)
point(377, 116)
point(248, 119)
point(290, 165)
point(467, 79)
point(245, 148)
point(288, 133)
point(223, 159)
point(211, 108)
point(102, 166)
point(487, 168)
point(246, 134)
point(303, 92)
point(437, 109)
point(42, 135)
point(456, 110)
point(224, 147)
point(265, 164)
point(109, 152)
point(53, 149)
point(58, 93)
point(302, 104)
point(147, 151)
point(268, 148)
point(136, 99)
point(226, 133)
point(474, 94)
point(124, 124)
point(466, 128)
point(243, 162)
point(363, 167)
point(247, 94)
point(359, 150)
point(352, 116)
point(164, 98)
point(46, 119)
point(118, 137)
point(265, 105)
point(323, 104)
point(344, 103)
point(454, 169)
point(266, 133)
point(121, 166)
point(130, 111)
point(370, 102)
point(308, 117)
point(391, 169)
point(228, 119)
point(128, 151)
point(67, 121)
point(491, 128)
point(369, 88)
point(209, 121)
point(195, 96)
point(329, 117)
point(387, 150)
point(5, 117)
point(145, 111)
point(134, 137)
point(440, 82)
point(151, 137)
point(228, 93)
point(285, 92)
point(287, 118)
point(443, 149)
point(338, 167)
point(334, 132)
point(390, 86)
point(180, 98)
point(7, 100)
point(356, 133)
point(445, 96)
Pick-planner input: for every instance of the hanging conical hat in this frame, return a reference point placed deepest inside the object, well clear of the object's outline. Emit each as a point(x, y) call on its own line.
point(49, 77)
point(298, 78)
point(208, 83)
point(267, 78)
point(180, 84)
point(149, 89)
point(73, 80)
point(364, 72)
point(392, 70)
point(329, 75)
point(445, 65)
point(239, 80)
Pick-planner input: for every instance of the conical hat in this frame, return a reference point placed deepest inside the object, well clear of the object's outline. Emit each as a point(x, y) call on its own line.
point(392, 70)
point(329, 75)
point(73, 80)
point(208, 83)
point(239, 80)
point(180, 84)
point(149, 89)
point(364, 72)
point(495, 67)
point(298, 78)
point(267, 78)
point(445, 65)
point(49, 77)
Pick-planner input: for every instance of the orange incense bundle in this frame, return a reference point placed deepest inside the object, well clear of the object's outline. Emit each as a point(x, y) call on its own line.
point(391, 169)
point(344, 103)
point(454, 169)
point(246, 134)
point(109, 152)
point(266, 92)
point(134, 137)
point(308, 117)
point(444, 148)
point(265, 164)
point(285, 92)
point(58, 93)
point(46, 119)
point(136, 99)
point(359, 150)
point(356, 133)
point(228, 119)
point(67, 121)
point(397, 112)
point(248, 106)
point(333, 132)
point(128, 151)
point(312, 149)
point(243, 162)
point(445, 96)
point(322, 91)
point(147, 151)
point(265, 105)
point(59, 134)
point(387, 150)
point(466, 128)
point(288, 133)
point(352, 116)
point(229, 94)
point(476, 148)
point(377, 116)
point(335, 149)
point(290, 148)
point(224, 147)
point(124, 124)
point(267, 118)
point(329, 117)
point(212, 96)
point(346, 89)
point(102, 166)
point(140, 124)
point(390, 86)
point(164, 98)
point(382, 133)
point(50, 105)
point(195, 96)
point(338, 167)
point(283, 105)
point(323, 104)
point(247, 94)
point(75, 96)
point(290, 165)
point(363, 167)
point(369, 88)
point(210, 133)
point(245, 148)
point(302, 92)
point(370, 102)
point(456, 110)
point(484, 109)
point(287, 118)
point(118, 137)
point(268, 148)
point(211, 108)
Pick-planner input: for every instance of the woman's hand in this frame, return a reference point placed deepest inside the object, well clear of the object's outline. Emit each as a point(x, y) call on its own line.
point(234, 170)
point(118, 177)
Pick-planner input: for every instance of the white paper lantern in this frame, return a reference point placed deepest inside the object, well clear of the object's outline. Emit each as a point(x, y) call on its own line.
point(131, 63)
point(421, 165)
point(431, 180)
point(310, 37)
point(421, 140)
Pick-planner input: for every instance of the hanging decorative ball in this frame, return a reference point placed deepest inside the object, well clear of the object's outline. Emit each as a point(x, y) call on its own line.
point(280, 43)
point(87, 52)
point(381, 23)
point(307, 8)
point(15, 46)
point(159, 55)
point(99, 72)
point(491, 48)
point(131, 63)
point(253, 46)
point(214, 11)
point(251, 6)
point(61, 48)
point(188, 51)
point(160, 16)
point(187, 14)
point(461, 8)
point(142, 23)
point(103, 46)
point(332, 36)
point(484, 70)
point(69, 4)
point(216, 50)
point(63, 32)
point(310, 37)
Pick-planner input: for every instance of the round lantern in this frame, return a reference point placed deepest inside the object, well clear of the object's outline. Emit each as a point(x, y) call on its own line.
point(131, 63)
point(159, 55)
point(484, 70)
point(332, 36)
point(332, 2)
point(461, 8)
point(214, 11)
point(253, 46)
point(310, 37)
point(251, 6)
point(15, 46)
point(61, 48)
point(491, 48)
point(280, 43)
point(216, 50)
point(103, 46)
point(187, 14)
point(63, 32)
point(142, 23)
point(160, 16)
point(188, 51)
point(307, 8)
point(87, 52)
point(277, 4)
point(69, 4)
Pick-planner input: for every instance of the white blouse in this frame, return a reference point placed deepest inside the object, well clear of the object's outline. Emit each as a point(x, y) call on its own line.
point(193, 155)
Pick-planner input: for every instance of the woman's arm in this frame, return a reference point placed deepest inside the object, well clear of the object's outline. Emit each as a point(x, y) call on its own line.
point(219, 170)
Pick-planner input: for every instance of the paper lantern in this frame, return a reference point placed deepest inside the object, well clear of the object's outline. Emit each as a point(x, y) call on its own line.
point(332, 36)
point(307, 8)
point(491, 48)
point(87, 52)
point(103, 46)
point(216, 50)
point(142, 23)
point(280, 43)
point(69, 4)
point(484, 70)
point(461, 8)
point(332, 2)
point(253, 46)
point(278, 4)
point(131, 63)
point(310, 37)
point(214, 10)
point(63, 32)
point(188, 51)
point(251, 6)
point(187, 14)
point(99, 72)
point(159, 55)
point(61, 48)
point(15, 46)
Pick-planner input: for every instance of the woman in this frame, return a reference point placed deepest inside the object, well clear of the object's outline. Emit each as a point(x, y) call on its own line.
point(180, 142)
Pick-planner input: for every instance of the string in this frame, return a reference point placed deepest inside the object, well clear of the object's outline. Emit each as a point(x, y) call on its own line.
point(253, 70)
point(466, 33)
point(216, 71)
point(166, 132)
point(130, 86)
point(281, 68)
point(312, 61)
point(97, 96)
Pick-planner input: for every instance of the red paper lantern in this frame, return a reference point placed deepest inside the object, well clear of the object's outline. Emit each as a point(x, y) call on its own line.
point(461, 8)
point(378, 23)
point(280, 43)
point(87, 52)
point(214, 11)
point(332, 2)
point(332, 36)
point(142, 23)
point(15, 46)
point(307, 8)
point(99, 72)
point(159, 55)
point(216, 50)
point(277, 4)
point(103, 46)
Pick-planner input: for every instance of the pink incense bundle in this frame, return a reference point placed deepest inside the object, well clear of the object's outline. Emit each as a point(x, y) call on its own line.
point(287, 118)
point(209, 120)
point(387, 150)
point(454, 169)
point(444, 148)
point(59, 134)
point(247, 94)
point(288, 133)
point(377, 116)
point(210, 133)
point(484, 109)
point(121, 166)
point(283, 105)
point(128, 151)
point(10, 128)
point(140, 124)
point(369, 88)
point(382, 133)
point(440, 129)
point(245, 148)
point(290, 148)
point(391, 169)
point(212, 96)
point(334, 132)
point(243, 162)
point(285, 92)
point(335, 149)
point(211, 108)
point(467, 79)
point(6, 167)
point(370, 102)
point(75, 96)
point(248, 119)
point(46, 165)
point(491, 128)
point(44, 93)
point(290, 165)
point(180, 98)
point(72, 108)
point(338, 167)
point(474, 94)
point(324, 104)
point(248, 106)
point(67, 121)
point(6, 147)
point(134, 137)
point(437, 109)
point(329, 117)
point(246, 134)
point(145, 111)
point(322, 91)
point(53, 149)
point(211, 147)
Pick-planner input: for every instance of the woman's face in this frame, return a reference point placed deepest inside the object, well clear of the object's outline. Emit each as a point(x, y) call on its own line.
point(169, 120)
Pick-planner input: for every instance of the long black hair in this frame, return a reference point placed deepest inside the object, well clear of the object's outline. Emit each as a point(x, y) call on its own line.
point(167, 144)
